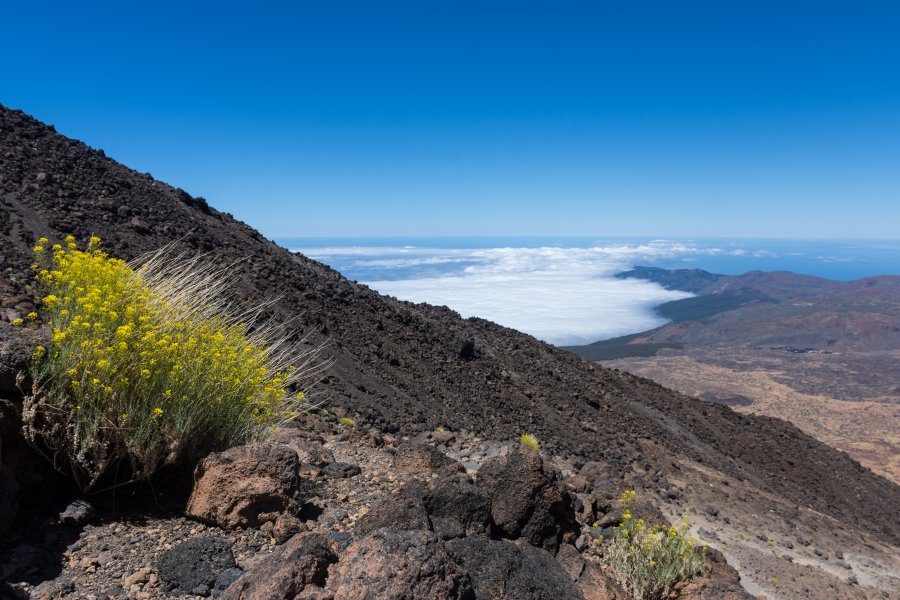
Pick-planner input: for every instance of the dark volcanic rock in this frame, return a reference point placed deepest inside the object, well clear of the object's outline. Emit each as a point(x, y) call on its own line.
point(399, 365)
point(246, 486)
point(458, 508)
point(403, 511)
point(527, 500)
point(194, 564)
point(300, 567)
point(503, 570)
point(402, 565)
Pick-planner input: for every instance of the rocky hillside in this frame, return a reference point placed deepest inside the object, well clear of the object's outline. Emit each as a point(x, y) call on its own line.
point(414, 367)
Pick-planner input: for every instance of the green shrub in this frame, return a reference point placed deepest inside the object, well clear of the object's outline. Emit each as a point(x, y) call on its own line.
point(650, 560)
point(346, 421)
point(529, 442)
point(146, 368)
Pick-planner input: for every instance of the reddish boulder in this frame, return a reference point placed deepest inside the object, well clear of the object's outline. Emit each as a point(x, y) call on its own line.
point(399, 565)
point(298, 571)
point(246, 486)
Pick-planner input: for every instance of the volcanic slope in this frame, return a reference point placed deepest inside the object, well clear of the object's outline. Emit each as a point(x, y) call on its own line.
point(414, 367)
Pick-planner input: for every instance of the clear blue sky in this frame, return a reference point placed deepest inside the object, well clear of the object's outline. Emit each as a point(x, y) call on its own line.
point(435, 117)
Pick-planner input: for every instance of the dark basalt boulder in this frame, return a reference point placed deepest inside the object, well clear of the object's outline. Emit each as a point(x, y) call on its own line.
point(458, 508)
point(9, 499)
point(502, 570)
point(528, 501)
point(192, 567)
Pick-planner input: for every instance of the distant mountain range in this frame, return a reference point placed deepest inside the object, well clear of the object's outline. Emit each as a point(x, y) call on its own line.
point(765, 309)
point(832, 346)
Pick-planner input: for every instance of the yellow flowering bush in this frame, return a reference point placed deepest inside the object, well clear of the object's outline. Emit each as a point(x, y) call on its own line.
point(650, 560)
point(145, 367)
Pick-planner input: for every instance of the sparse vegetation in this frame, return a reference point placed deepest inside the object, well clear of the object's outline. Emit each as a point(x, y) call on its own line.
point(529, 442)
point(346, 421)
point(146, 368)
point(650, 560)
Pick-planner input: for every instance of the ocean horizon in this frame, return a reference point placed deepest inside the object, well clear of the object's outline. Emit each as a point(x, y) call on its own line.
point(562, 289)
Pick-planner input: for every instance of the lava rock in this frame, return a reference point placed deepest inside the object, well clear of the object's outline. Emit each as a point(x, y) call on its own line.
point(300, 567)
point(458, 508)
point(339, 470)
point(502, 570)
point(404, 511)
point(77, 513)
point(527, 500)
point(246, 486)
point(399, 564)
point(193, 564)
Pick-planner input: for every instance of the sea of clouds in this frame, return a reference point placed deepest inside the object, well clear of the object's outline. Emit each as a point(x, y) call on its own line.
point(562, 295)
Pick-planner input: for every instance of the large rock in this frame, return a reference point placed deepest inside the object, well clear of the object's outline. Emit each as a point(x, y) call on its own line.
point(399, 565)
point(458, 508)
point(402, 511)
point(299, 570)
point(246, 486)
point(528, 501)
point(193, 566)
point(502, 570)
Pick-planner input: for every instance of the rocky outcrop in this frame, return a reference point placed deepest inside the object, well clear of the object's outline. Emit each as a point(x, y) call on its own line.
point(458, 508)
point(503, 570)
point(246, 486)
point(528, 501)
point(408, 565)
point(420, 458)
point(300, 569)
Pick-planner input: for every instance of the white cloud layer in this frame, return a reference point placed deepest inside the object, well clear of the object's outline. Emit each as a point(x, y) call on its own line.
point(560, 295)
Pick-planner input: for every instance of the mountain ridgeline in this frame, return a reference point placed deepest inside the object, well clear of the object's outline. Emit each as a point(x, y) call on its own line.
point(414, 367)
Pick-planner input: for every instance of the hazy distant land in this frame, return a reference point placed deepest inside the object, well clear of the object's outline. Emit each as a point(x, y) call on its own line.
point(822, 354)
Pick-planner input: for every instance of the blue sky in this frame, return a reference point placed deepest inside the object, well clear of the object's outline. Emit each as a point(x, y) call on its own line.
point(755, 119)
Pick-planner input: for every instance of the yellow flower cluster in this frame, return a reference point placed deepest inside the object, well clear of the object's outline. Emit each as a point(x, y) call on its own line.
point(155, 375)
point(650, 560)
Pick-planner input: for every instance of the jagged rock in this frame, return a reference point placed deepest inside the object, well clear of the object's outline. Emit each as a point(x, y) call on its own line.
point(502, 570)
point(77, 513)
point(458, 508)
point(527, 501)
point(391, 564)
point(298, 570)
point(287, 526)
point(339, 470)
point(246, 486)
point(9, 502)
point(404, 511)
point(595, 585)
point(310, 451)
point(570, 560)
point(420, 458)
point(194, 564)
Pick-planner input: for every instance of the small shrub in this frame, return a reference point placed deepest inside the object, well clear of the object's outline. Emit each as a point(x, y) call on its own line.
point(529, 442)
point(650, 560)
point(346, 421)
point(147, 368)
